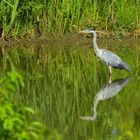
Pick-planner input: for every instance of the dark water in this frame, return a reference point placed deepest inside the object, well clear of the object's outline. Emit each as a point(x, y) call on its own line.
point(71, 92)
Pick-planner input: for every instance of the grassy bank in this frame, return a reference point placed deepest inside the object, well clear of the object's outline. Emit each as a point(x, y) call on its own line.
point(58, 17)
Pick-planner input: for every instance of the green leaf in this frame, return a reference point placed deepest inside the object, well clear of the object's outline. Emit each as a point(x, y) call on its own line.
point(8, 124)
point(28, 109)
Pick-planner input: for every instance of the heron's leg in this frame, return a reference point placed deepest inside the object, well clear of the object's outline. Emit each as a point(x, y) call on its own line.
point(110, 70)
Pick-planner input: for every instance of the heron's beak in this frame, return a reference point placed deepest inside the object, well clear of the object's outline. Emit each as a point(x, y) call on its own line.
point(83, 31)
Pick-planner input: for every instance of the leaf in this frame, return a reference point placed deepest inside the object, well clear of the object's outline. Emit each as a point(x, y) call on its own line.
point(8, 124)
point(34, 135)
point(28, 109)
point(23, 136)
point(37, 124)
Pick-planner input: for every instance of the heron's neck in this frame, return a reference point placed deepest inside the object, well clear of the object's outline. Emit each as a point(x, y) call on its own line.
point(95, 103)
point(95, 46)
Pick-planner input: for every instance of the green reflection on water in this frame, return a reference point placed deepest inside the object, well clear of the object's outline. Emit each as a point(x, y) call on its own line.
point(61, 82)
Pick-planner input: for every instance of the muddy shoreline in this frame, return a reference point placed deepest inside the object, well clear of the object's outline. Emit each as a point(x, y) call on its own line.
point(74, 39)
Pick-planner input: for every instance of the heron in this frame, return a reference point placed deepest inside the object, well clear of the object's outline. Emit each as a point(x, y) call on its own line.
point(109, 58)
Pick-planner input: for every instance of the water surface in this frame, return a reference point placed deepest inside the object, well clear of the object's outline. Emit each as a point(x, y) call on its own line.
point(65, 83)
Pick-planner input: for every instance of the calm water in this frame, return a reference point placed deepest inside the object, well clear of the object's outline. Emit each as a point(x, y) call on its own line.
point(71, 92)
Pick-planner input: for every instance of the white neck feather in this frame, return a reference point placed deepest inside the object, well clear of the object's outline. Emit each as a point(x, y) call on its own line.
point(95, 46)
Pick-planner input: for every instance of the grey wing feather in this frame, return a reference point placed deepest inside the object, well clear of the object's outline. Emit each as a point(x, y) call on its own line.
point(113, 60)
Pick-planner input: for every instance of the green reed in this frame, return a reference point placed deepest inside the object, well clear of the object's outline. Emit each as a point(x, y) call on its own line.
point(59, 17)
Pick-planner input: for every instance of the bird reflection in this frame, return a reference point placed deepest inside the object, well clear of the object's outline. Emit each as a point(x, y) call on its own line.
point(107, 91)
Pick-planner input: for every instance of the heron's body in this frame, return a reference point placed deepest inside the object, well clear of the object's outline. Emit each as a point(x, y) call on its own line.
point(113, 60)
point(109, 58)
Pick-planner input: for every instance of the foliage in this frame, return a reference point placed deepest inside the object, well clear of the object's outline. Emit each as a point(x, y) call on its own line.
point(42, 17)
point(14, 120)
point(17, 121)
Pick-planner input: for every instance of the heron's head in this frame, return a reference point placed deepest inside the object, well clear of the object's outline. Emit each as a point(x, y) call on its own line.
point(87, 31)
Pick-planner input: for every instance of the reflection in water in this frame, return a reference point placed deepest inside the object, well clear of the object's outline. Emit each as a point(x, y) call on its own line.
point(107, 91)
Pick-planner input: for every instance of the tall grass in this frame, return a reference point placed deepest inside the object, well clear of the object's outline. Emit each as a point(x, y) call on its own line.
point(58, 17)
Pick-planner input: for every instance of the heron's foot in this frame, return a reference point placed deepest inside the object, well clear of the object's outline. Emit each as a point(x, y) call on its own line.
point(87, 118)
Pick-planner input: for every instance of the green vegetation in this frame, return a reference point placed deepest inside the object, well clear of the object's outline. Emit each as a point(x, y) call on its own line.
point(42, 18)
point(17, 121)
point(55, 85)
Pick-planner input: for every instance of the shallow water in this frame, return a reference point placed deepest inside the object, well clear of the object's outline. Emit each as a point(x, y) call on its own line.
point(71, 92)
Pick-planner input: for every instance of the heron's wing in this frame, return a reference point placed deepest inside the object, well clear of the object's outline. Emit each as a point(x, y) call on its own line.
point(113, 60)
point(110, 57)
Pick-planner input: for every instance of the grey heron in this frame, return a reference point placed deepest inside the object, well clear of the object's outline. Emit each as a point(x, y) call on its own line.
point(107, 91)
point(109, 58)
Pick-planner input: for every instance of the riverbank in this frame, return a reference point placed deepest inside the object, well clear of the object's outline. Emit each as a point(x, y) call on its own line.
point(75, 39)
